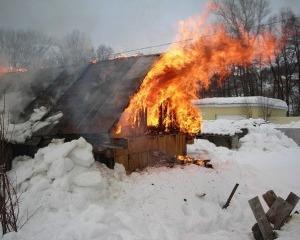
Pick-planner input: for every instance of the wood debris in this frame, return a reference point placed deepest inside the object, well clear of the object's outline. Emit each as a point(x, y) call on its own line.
point(230, 196)
point(184, 160)
point(277, 215)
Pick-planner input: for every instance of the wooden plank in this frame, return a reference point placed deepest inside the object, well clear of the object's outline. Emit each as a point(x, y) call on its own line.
point(279, 212)
point(144, 162)
point(139, 148)
point(256, 232)
point(172, 145)
point(230, 196)
point(261, 218)
point(292, 199)
point(271, 213)
point(184, 147)
point(269, 197)
point(282, 215)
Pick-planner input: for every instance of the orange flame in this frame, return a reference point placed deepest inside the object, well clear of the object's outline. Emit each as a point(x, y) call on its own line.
point(93, 61)
point(188, 65)
point(4, 70)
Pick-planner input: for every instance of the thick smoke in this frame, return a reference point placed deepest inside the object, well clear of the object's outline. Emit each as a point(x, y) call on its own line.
point(20, 89)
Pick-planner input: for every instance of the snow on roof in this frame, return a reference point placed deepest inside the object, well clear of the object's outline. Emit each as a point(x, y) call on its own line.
point(240, 101)
point(20, 132)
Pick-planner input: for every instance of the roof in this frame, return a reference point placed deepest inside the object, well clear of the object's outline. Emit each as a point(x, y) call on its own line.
point(97, 98)
point(91, 97)
point(241, 101)
point(21, 88)
point(58, 81)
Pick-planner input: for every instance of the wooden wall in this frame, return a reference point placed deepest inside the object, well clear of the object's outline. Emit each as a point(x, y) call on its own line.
point(138, 153)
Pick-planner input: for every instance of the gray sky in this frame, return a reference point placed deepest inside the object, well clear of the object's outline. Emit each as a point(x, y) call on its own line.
point(122, 24)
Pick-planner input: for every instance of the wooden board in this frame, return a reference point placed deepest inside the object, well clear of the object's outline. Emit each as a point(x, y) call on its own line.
point(269, 197)
point(292, 199)
point(256, 232)
point(138, 155)
point(279, 212)
point(261, 218)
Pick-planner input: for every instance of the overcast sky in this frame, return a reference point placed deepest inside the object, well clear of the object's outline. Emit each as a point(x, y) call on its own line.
point(122, 24)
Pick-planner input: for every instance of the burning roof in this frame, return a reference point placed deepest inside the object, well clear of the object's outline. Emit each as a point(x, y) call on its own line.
point(168, 89)
point(155, 91)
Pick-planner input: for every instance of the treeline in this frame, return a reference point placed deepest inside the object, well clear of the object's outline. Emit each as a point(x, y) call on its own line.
point(32, 49)
point(278, 78)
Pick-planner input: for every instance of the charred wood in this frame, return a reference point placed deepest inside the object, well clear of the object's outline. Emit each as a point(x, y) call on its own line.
point(230, 196)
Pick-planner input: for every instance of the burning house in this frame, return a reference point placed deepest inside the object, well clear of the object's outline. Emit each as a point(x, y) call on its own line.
point(94, 104)
point(129, 108)
point(92, 100)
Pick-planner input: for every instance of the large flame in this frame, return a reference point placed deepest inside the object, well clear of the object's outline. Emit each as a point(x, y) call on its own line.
point(201, 52)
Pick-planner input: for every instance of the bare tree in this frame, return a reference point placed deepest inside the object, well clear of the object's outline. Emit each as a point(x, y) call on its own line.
point(241, 18)
point(25, 49)
point(294, 39)
point(76, 48)
point(286, 62)
point(242, 15)
point(104, 52)
point(8, 197)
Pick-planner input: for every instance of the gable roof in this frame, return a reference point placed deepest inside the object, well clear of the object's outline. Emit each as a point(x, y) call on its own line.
point(21, 89)
point(96, 100)
point(91, 97)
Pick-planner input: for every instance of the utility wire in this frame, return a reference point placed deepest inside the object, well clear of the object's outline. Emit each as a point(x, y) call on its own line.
point(190, 39)
point(153, 46)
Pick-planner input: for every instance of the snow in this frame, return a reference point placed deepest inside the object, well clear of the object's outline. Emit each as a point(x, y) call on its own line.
point(294, 124)
point(229, 126)
point(88, 179)
point(18, 133)
point(240, 101)
point(81, 157)
point(65, 194)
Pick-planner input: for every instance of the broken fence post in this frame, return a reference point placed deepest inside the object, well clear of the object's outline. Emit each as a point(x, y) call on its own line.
point(230, 196)
point(261, 218)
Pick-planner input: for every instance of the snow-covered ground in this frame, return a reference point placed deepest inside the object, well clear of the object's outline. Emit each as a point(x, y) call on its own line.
point(295, 124)
point(66, 195)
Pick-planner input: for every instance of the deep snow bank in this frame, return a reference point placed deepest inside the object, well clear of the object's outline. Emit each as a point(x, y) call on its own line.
point(62, 177)
point(66, 195)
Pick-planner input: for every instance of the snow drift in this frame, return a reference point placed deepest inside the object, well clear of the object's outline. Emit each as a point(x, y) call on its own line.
point(65, 194)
